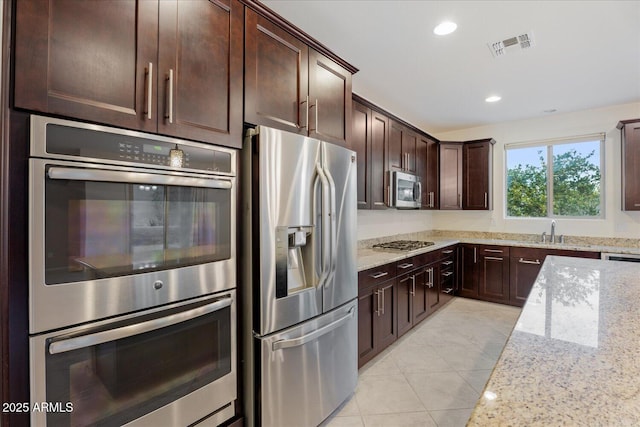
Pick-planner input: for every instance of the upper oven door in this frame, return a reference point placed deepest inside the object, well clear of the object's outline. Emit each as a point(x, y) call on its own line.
point(111, 240)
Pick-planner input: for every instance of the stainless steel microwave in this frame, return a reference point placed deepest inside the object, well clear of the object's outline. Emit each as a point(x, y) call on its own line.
point(406, 190)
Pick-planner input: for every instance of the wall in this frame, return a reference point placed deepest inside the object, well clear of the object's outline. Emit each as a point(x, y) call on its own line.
point(614, 224)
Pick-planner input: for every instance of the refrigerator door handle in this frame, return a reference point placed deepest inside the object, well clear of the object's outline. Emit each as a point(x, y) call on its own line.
point(324, 226)
point(297, 342)
point(332, 229)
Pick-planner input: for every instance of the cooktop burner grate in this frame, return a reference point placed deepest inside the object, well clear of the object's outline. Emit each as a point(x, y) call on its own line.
point(403, 245)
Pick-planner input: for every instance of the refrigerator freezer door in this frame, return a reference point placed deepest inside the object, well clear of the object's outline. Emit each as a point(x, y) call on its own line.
point(309, 370)
point(342, 283)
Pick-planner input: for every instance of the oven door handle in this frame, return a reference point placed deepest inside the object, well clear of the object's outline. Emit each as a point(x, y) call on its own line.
point(77, 174)
point(90, 340)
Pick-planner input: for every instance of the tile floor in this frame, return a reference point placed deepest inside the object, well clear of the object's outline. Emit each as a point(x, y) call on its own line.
point(434, 374)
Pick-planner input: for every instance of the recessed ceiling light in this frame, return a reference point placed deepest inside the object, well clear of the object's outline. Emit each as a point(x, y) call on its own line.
point(444, 28)
point(493, 98)
point(550, 110)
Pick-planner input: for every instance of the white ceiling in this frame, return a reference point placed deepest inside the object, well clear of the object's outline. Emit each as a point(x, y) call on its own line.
point(586, 55)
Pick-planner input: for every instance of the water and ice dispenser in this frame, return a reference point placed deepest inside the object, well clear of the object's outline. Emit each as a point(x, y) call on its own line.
point(294, 260)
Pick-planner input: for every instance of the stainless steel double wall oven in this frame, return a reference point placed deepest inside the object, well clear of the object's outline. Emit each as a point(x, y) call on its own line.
point(132, 300)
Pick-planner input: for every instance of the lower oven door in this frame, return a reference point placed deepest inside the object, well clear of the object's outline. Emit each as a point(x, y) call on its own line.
point(169, 366)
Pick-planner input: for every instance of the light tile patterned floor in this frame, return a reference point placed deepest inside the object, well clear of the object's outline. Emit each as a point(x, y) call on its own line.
point(434, 374)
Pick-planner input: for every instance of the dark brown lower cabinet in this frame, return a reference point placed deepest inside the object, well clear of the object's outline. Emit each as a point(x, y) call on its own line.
point(377, 319)
point(469, 269)
point(525, 265)
point(493, 278)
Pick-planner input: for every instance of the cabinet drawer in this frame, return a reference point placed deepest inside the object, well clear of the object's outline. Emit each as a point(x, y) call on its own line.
point(495, 250)
point(376, 275)
point(447, 252)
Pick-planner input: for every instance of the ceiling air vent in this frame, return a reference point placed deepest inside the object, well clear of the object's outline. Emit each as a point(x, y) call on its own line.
point(511, 44)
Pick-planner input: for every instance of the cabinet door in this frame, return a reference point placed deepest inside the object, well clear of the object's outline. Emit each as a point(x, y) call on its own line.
point(368, 306)
point(405, 286)
point(361, 144)
point(378, 165)
point(469, 264)
point(631, 167)
point(200, 70)
point(451, 176)
point(421, 171)
point(276, 76)
point(330, 100)
point(477, 171)
point(433, 173)
point(433, 288)
point(494, 277)
point(524, 266)
point(409, 150)
point(395, 146)
point(387, 324)
point(88, 60)
point(421, 295)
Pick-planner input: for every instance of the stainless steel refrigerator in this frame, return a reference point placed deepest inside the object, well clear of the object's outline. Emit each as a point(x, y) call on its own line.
point(299, 278)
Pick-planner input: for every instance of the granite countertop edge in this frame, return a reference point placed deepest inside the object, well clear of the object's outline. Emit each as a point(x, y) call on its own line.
point(371, 258)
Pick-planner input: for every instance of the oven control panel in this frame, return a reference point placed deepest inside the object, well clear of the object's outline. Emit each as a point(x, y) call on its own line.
point(101, 143)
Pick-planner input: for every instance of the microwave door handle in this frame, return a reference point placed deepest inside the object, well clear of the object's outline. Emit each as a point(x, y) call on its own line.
point(77, 174)
point(90, 340)
point(417, 194)
point(324, 237)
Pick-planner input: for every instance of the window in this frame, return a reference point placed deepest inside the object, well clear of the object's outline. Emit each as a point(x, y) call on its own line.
point(559, 178)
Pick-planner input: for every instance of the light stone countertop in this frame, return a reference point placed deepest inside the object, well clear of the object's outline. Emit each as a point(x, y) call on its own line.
point(573, 356)
point(370, 258)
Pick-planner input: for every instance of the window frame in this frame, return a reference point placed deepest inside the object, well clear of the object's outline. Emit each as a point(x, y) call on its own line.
point(548, 145)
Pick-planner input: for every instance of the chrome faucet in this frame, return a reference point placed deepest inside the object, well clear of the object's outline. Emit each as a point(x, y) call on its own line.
point(552, 238)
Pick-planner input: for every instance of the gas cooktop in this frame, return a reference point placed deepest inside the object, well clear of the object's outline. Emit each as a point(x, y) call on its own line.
point(403, 245)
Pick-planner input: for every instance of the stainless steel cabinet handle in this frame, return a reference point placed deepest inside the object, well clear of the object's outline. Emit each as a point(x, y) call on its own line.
point(413, 286)
point(448, 290)
point(447, 274)
point(377, 309)
point(447, 251)
point(378, 274)
point(475, 255)
point(447, 262)
point(432, 196)
point(405, 265)
point(77, 174)
point(496, 251)
point(485, 199)
point(169, 114)
point(430, 271)
point(636, 205)
point(84, 341)
point(382, 291)
point(296, 342)
point(525, 261)
point(493, 258)
point(306, 124)
point(315, 106)
point(149, 76)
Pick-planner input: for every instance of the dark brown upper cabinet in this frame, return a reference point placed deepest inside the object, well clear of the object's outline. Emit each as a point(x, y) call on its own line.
point(630, 164)
point(427, 169)
point(403, 144)
point(291, 86)
point(451, 175)
point(370, 142)
point(361, 144)
point(171, 67)
point(477, 174)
